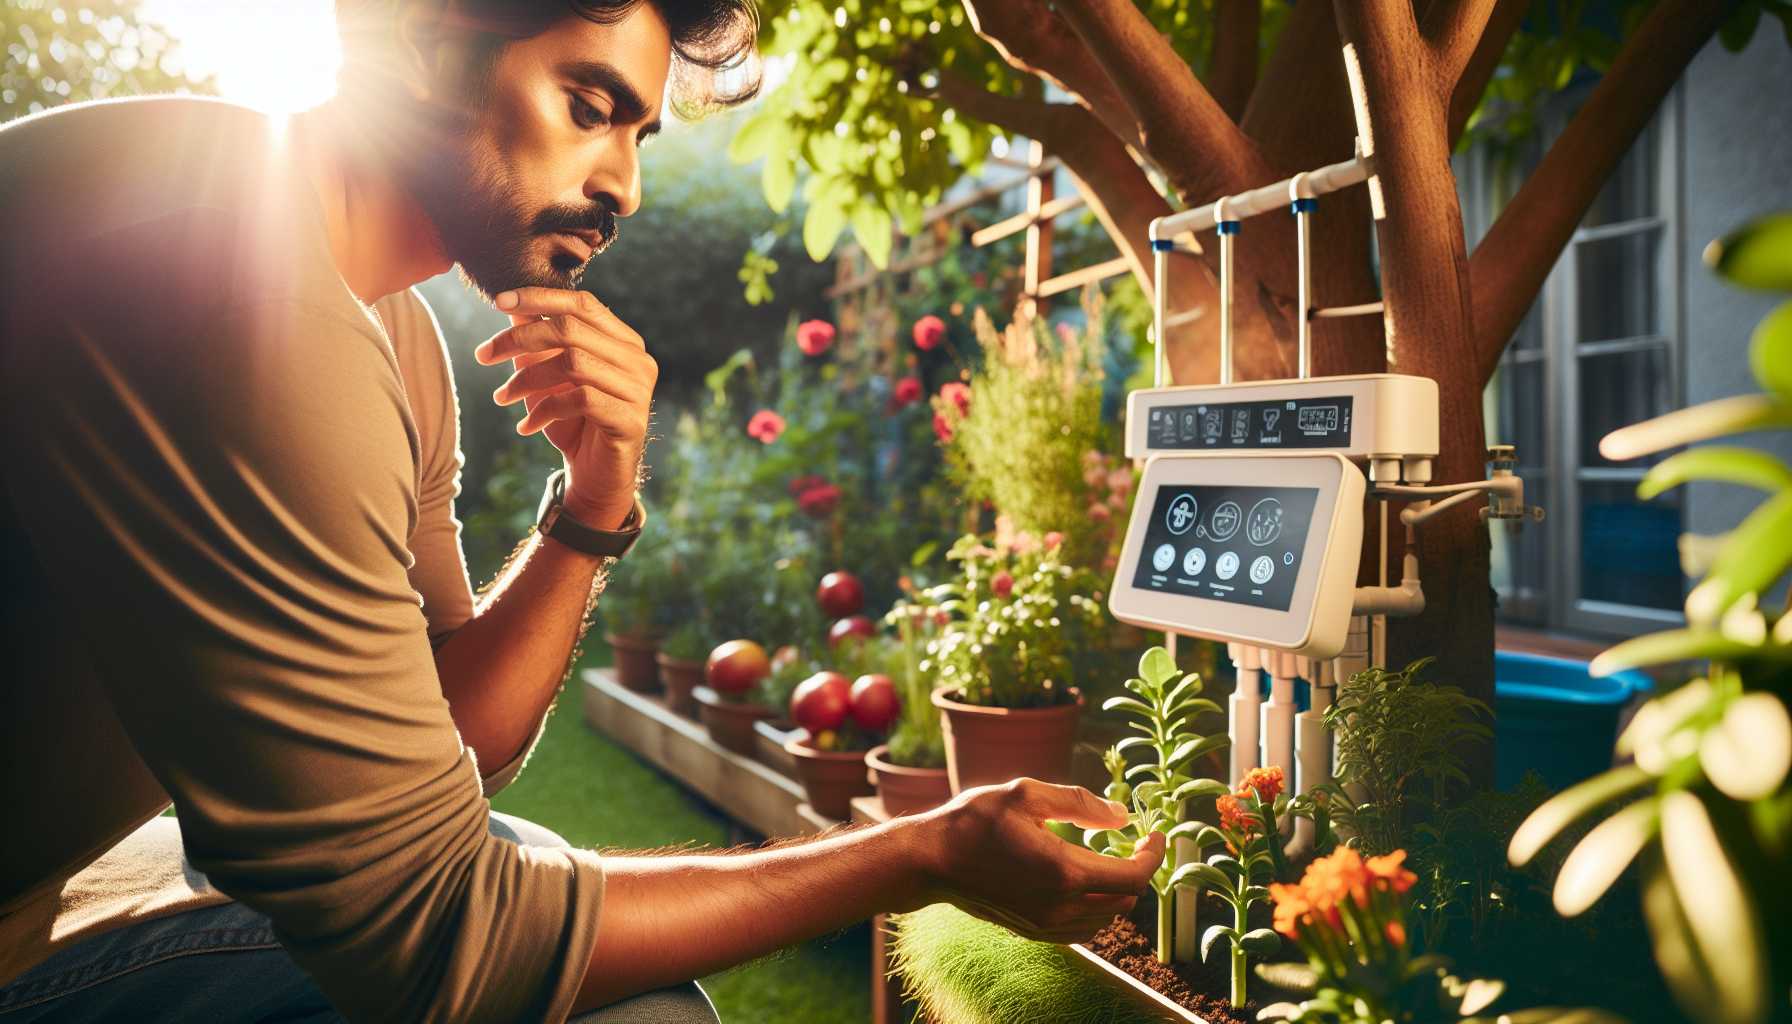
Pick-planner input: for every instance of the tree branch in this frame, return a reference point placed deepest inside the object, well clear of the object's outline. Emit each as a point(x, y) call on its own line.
point(1036, 119)
point(1478, 69)
point(1452, 29)
point(1232, 68)
point(1184, 130)
point(1509, 265)
point(1031, 37)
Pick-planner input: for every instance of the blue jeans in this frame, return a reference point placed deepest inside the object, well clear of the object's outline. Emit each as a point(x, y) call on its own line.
point(223, 963)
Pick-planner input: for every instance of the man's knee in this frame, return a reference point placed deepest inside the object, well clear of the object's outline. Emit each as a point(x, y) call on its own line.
point(524, 831)
point(675, 1004)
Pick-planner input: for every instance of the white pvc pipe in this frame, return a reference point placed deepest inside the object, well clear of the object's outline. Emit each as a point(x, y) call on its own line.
point(1226, 240)
point(1160, 263)
point(1304, 263)
point(1244, 705)
point(1278, 712)
point(1316, 183)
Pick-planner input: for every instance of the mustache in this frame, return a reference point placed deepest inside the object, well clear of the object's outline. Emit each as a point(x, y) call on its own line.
point(599, 220)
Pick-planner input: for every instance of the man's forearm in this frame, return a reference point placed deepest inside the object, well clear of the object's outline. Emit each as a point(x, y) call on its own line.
point(668, 919)
point(500, 670)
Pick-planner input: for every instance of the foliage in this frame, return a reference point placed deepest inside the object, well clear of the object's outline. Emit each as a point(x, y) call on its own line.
point(916, 741)
point(686, 643)
point(1165, 703)
point(1400, 744)
point(1018, 612)
point(51, 54)
point(1033, 413)
point(1460, 858)
point(1249, 845)
point(1710, 817)
point(1349, 917)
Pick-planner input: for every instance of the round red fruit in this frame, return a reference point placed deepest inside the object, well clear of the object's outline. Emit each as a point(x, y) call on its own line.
point(737, 666)
point(840, 594)
point(874, 702)
point(857, 625)
point(820, 702)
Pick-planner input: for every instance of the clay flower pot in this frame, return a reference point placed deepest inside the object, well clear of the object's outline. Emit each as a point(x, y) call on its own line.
point(730, 722)
point(989, 745)
point(681, 678)
point(906, 790)
point(830, 778)
point(634, 660)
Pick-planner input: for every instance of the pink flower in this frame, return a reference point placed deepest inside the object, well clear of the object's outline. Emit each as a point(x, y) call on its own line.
point(765, 426)
point(959, 394)
point(908, 391)
point(1066, 333)
point(814, 337)
point(1002, 583)
point(1099, 512)
point(942, 429)
point(819, 501)
point(1053, 540)
point(930, 330)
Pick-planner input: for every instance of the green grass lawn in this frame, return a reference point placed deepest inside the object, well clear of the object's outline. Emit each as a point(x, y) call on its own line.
point(597, 794)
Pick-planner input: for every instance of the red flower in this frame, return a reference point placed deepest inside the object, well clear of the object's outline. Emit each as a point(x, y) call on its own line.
point(1053, 540)
point(1266, 781)
point(803, 483)
point(814, 337)
point(819, 501)
point(765, 426)
point(908, 391)
point(958, 394)
point(1234, 817)
point(1002, 583)
point(930, 330)
point(942, 429)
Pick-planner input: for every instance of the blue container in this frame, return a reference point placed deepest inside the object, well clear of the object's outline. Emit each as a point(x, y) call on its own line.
point(1555, 719)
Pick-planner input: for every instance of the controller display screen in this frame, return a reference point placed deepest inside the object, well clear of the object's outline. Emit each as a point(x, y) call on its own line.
point(1238, 544)
point(1218, 426)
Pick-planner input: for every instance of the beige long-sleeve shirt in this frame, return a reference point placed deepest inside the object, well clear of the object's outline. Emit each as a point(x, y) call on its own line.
point(228, 538)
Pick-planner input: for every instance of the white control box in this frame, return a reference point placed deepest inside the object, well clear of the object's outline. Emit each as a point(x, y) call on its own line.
point(1366, 416)
point(1256, 548)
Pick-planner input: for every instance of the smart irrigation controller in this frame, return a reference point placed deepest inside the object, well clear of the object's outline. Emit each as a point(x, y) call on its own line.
point(1368, 416)
point(1260, 548)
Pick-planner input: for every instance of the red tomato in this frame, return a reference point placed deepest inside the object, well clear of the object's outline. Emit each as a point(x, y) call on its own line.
point(874, 702)
point(820, 702)
point(840, 594)
point(857, 625)
point(737, 666)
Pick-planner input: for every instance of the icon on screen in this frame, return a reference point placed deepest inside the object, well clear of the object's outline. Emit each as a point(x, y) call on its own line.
point(1210, 425)
point(1181, 515)
point(1262, 568)
point(1194, 562)
point(1227, 566)
point(1265, 522)
point(1270, 418)
point(1224, 520)
point(1163, 557)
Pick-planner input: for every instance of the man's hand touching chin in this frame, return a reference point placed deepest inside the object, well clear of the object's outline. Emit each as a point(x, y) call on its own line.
point(587, 382)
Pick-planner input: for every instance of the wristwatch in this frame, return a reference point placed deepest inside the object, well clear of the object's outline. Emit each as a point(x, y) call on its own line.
point(552, 521)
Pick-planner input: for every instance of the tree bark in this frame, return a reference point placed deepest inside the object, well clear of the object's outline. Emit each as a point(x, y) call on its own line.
point(1510, 264)
point(1232, 68)
point(1404, 126)
point(1031, 37)
point(1453, 29)
point(1471, 83)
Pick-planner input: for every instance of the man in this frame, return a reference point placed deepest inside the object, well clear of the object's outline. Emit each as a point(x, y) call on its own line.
point(233, 571)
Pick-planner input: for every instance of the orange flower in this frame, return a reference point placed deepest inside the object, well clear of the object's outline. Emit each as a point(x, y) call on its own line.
point(1292, 908)
point(1396, 933)
point(1266, 781)
point(1388, 873)
point(1233, 815)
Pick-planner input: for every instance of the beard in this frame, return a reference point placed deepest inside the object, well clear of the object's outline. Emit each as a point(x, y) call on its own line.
point(486, 225)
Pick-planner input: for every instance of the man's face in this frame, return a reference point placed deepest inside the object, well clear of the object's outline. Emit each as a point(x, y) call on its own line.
point(528, 189)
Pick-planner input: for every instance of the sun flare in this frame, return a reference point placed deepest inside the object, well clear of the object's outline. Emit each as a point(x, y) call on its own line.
point(280, 56)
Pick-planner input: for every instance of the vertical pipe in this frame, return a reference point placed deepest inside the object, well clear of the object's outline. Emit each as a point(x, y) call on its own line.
point(1160, 264)
point(1302, 205)
point(1278, 712)
point(1227, 229)
point(1244, 705)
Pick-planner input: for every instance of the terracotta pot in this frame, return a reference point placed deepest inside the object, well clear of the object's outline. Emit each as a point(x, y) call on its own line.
point(634, 660)
point(681, 678)
point(906, 790)
point(989, 745)
point(769, 735)
point(831, 778)
point(730, 722)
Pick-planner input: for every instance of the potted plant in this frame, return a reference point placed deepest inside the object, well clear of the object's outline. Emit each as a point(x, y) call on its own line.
point(1016, 614)
point(909, 771)
point(789, 667)
point(838, 720)
point(726, 705)
point(680, 661)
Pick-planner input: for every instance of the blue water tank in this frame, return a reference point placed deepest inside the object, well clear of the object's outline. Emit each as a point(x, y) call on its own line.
point(1555, 719)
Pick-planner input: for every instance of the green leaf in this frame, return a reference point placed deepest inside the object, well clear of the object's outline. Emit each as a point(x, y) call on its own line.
point(1205, 875)
point(759, 135)
point(1749, 467)
point(1196, 748)
point(1754, 556)
point(1598, 860)
point(1198, 789)
point(777, 179)
point(1187, 829)
point(871, 226)
point(1132, 741)
point(1770, 351)
point(1569, 806)
point(1260, 941)
point(1696, 423)
point(1213, 934)
point(1132, 704)
point(1196, 705)
point(1669, 645)
point(1156, 665)
point(1720, 915)
point(1190, 685)
point(1227, 863)
point(821, 226)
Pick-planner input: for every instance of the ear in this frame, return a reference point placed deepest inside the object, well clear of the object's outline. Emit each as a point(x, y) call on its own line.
point(421, 32)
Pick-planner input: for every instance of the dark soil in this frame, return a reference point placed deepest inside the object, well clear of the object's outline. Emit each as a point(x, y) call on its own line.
point(1202, 988)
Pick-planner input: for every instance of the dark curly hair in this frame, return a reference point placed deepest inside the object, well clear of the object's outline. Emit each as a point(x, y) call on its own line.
point(714, 42)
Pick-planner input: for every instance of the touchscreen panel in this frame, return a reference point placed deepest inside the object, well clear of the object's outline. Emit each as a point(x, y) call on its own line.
point(1234, 543)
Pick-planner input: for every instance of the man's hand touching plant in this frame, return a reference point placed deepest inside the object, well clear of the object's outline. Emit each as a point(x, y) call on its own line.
point(587, 382)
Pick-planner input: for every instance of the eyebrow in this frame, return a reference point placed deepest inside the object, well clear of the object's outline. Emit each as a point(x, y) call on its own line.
point(596, 74)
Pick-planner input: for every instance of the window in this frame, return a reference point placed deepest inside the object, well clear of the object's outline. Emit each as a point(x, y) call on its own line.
point(1599, 350)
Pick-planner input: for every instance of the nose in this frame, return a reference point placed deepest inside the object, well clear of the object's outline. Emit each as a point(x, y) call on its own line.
point(615, 178)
